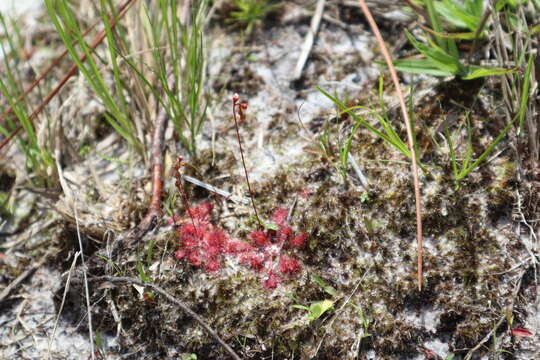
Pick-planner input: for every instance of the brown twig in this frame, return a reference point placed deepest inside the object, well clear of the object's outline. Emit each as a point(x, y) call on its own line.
point(243, 107)
point(420, 10)
point(154, 210)
point(477, 34)
point(179, 163)
point(71, 72)
point(309, 39)
point(405, 113)
point(157, 164)
point(172, 299)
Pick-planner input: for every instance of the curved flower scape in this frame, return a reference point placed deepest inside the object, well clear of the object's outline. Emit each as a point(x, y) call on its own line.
point(204, 245)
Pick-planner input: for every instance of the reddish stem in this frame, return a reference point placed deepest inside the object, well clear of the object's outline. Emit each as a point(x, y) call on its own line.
point(45, 72)
point(242, 107)
point(395, 79)
point(181, 189)
point(72, 71)
point(157, 165)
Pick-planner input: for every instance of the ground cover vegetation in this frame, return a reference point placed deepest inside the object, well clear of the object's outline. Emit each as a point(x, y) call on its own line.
point(215, 179)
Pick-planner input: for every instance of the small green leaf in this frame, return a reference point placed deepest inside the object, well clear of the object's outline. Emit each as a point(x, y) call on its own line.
point(142, 273)
point(270, 226)
point(474, 72)
point(442, 60)
point(318, 308)
point(116, 268)
point(458, 15)
point(98, 340)
point(535, 29)
point(327, 288)
point(150, 252)
point(301, 307)
point(459, 35)
point(420, 66)
point(364, 197)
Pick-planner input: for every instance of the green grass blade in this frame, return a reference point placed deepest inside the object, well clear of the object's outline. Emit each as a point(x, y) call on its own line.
point(437, 55)
point(389, 139)
point(436, 23)
point(470, 150)
point(69, 31)
point(474, 72)
point(525, 94)
point(420, 66)
point(488, 151)
point(453, 159)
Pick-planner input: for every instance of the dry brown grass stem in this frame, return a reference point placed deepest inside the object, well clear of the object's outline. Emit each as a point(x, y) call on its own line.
point(122, 10)
point(395, 79)
point(43, 75)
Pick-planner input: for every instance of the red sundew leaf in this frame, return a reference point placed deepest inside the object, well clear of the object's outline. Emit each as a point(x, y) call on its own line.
point(237, 247)
point(194, 258)
point(190, 242)
point(283, 233)
point(216, 238)
point(430, 354)
point(279, 216)
point(175, 220)
point(201, 211)
point(260, 238)
point(521, 332)
point(272, 281)
point(288, 265)
point(212, 250)
point(189, 230)
point(180, 254)
point(254, 261)
point(299, 240)
point(306, 193)
point(213, 264)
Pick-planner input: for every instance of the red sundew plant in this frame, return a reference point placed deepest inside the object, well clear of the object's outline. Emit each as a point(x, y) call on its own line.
point(204, 245)
point(269, 247)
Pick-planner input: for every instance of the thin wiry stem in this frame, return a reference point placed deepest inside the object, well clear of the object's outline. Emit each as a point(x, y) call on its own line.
point(181, 189)
point(243, 107)
point(393, 73)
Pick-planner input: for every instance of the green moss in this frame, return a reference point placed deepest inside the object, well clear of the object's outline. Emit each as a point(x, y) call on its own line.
point(351, 242)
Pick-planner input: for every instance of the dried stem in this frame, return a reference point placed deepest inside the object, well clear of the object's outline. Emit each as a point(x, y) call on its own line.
point(420, 10)
point(72, 71)
point(175, 301)
point(54, 64)
point(405, 113)
point(154, 210)
point(242, 107)
point(477, 33)
point(181, 189)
